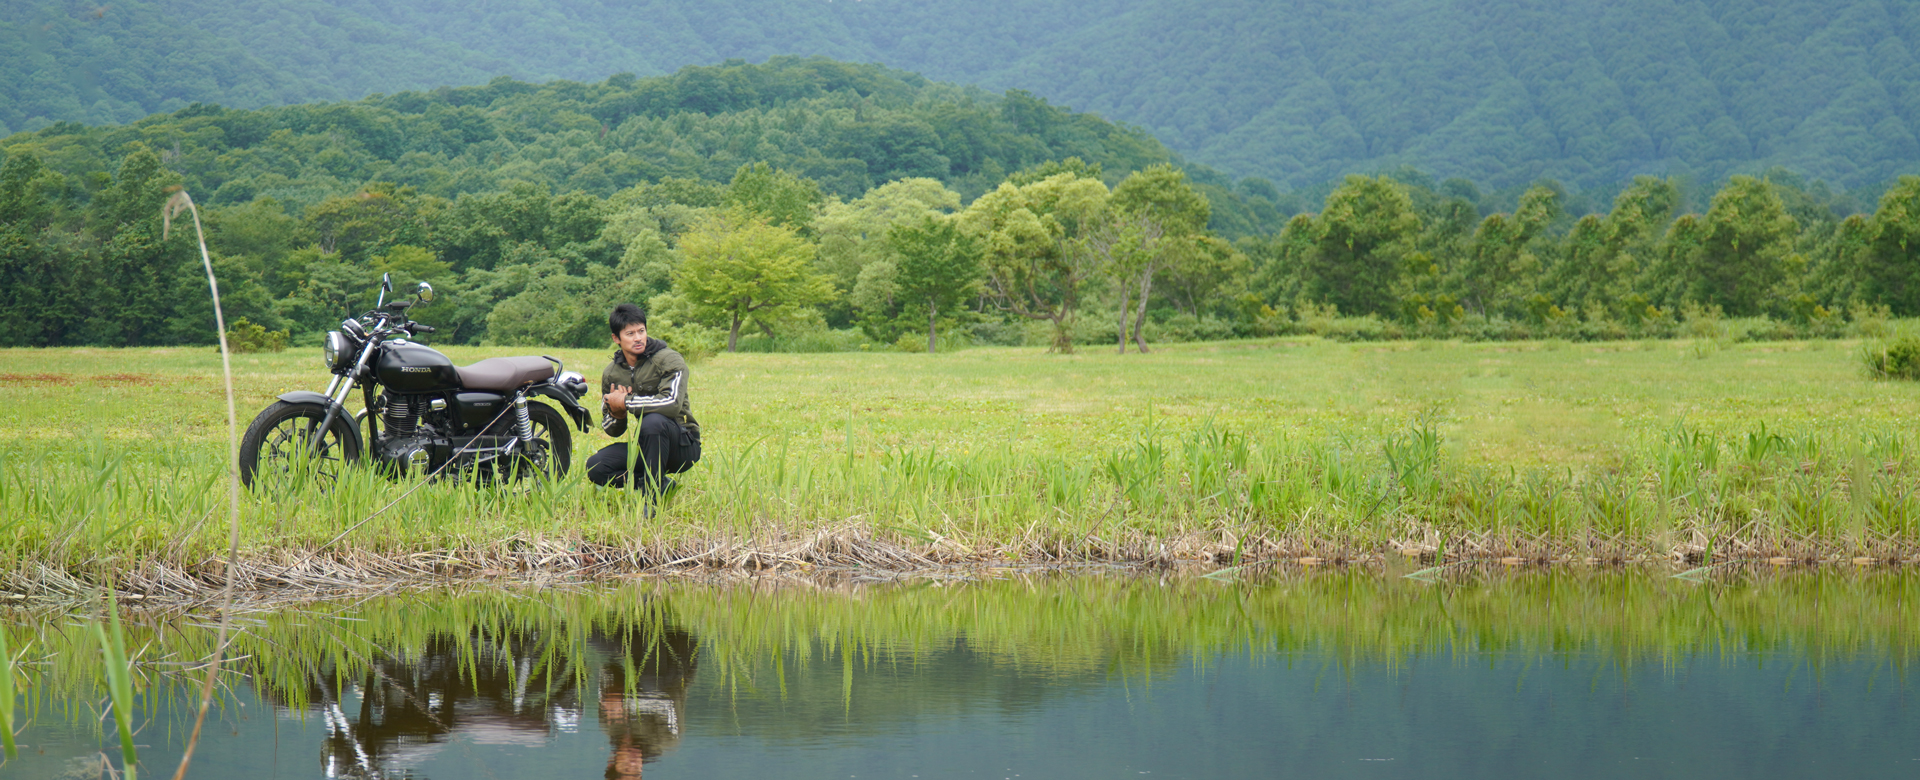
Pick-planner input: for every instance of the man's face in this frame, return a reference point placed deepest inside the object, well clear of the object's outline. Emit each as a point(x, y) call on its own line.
point(632, 339)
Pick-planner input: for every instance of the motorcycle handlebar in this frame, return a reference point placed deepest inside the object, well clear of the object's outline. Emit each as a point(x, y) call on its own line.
point(419, 328)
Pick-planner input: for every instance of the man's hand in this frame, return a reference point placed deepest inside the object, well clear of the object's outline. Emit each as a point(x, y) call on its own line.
point(617, 399)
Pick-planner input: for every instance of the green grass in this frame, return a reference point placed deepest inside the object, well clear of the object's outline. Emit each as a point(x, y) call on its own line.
point(110, 459)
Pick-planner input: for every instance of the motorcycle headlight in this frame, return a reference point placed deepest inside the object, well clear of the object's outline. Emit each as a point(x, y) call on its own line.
point(333, 349)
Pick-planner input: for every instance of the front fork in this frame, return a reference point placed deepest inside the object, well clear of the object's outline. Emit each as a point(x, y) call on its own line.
point(337, 397)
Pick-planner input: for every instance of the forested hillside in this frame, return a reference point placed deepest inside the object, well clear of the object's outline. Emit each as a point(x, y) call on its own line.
point(1502, 92)
point(848, 127)
point(807, 203)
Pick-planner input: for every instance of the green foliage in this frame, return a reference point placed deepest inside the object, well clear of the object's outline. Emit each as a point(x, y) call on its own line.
point(534, 208)
point(802, 116)
point(1587, 92)
point(739, 265)
point(1357, 243)
point(1736, 256)
point(246, 336)
point(1034, 241)
point(1898, 359)
point(937, 268)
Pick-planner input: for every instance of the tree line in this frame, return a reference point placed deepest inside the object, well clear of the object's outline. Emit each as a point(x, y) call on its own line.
point(1060, 253)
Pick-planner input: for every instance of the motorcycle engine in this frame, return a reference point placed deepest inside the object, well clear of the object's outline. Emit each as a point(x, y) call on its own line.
point(408, 433)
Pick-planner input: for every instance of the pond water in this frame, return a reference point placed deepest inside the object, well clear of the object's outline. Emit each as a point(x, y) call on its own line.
point(1009, 674)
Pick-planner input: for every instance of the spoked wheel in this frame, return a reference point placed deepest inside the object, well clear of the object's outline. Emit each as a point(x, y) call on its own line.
point(552, 451)
point(281, 445)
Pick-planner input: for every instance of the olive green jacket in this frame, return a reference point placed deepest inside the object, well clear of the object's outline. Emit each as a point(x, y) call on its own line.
point(659, 385)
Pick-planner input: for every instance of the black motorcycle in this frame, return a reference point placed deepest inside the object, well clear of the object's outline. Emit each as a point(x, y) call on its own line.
point(422, 415)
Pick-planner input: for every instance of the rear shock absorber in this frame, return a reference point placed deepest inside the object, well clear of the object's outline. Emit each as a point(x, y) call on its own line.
point(522, 421)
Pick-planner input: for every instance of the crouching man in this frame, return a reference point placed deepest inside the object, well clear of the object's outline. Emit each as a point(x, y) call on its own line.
point(647, 380)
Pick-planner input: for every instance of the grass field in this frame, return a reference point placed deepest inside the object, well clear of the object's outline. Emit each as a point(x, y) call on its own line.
point(111, 461)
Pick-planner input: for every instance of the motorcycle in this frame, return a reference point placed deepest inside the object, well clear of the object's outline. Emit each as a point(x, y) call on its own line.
point(421, 414)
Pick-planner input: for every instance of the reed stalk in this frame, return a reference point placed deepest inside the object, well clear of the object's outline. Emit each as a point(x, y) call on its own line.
point(179, 202)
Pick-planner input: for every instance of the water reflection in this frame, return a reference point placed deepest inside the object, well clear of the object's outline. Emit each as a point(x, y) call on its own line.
point(504, 686)
point(1323, 674)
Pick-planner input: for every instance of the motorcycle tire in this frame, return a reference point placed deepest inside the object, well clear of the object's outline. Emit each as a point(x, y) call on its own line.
point(277, 440)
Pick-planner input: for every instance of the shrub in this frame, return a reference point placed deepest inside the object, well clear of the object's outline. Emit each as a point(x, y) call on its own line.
point(693, 341)
point(821, 340)
point(245, 336)
point(1897, 359)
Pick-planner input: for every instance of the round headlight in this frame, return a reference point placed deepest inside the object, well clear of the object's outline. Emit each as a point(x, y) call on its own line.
point(332, 349)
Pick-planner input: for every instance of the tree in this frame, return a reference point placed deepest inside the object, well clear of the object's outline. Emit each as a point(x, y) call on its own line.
point(1033, 242)
point(737, 264)
point(1889, 268)
point(853, 235)
point(40, 296)
point(1741, 254)
point(779, 197)
point(1358, 241)
point(1503, 269)
point(137, 266)
point(1604, 258)
point(1159, 220)
point(938, 266)
point(366, 223)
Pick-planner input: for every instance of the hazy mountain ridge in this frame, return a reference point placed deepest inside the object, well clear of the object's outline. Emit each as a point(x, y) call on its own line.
point(1498, 91)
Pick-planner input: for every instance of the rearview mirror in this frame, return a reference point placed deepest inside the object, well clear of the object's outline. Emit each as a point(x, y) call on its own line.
point(386, 282)
point(426, 293)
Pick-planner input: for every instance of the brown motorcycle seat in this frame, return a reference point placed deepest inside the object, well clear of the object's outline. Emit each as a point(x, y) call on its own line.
point(503, 374)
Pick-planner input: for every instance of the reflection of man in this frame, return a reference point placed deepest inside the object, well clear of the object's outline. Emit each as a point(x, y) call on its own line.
point(489, 687)
point(643, 687)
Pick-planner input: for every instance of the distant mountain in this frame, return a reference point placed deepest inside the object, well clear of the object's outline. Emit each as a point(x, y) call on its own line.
point(1502, 92)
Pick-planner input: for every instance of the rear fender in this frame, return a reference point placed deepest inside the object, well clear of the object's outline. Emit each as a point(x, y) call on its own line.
point(567, 402)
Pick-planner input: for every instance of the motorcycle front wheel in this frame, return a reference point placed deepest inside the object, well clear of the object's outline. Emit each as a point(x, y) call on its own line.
point(280, 444)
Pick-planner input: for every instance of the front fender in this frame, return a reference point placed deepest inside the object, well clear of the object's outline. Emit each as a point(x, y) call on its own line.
point(305, 397)
point(310, 397)
point(567, 402)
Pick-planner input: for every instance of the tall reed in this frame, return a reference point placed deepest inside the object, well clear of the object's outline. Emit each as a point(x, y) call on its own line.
point(179, 202)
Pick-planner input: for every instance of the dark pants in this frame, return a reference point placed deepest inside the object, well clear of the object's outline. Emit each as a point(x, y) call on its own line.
point(665, 448)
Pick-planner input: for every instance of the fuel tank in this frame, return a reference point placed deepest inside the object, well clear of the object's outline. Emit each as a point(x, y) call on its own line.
point(414, 368)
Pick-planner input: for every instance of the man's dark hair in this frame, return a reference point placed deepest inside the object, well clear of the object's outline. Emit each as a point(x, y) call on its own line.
point(625, 316)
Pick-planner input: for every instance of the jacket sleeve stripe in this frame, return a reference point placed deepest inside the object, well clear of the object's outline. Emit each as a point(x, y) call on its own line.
point(663, 400)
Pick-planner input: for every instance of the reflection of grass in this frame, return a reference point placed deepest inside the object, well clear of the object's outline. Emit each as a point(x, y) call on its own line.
point(7, 698)
point(750, 634)
point(118, 668)
point(109, 458)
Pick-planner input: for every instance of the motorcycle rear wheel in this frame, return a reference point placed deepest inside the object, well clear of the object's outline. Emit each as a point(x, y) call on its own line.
point(279, 445)
point(552, 452)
